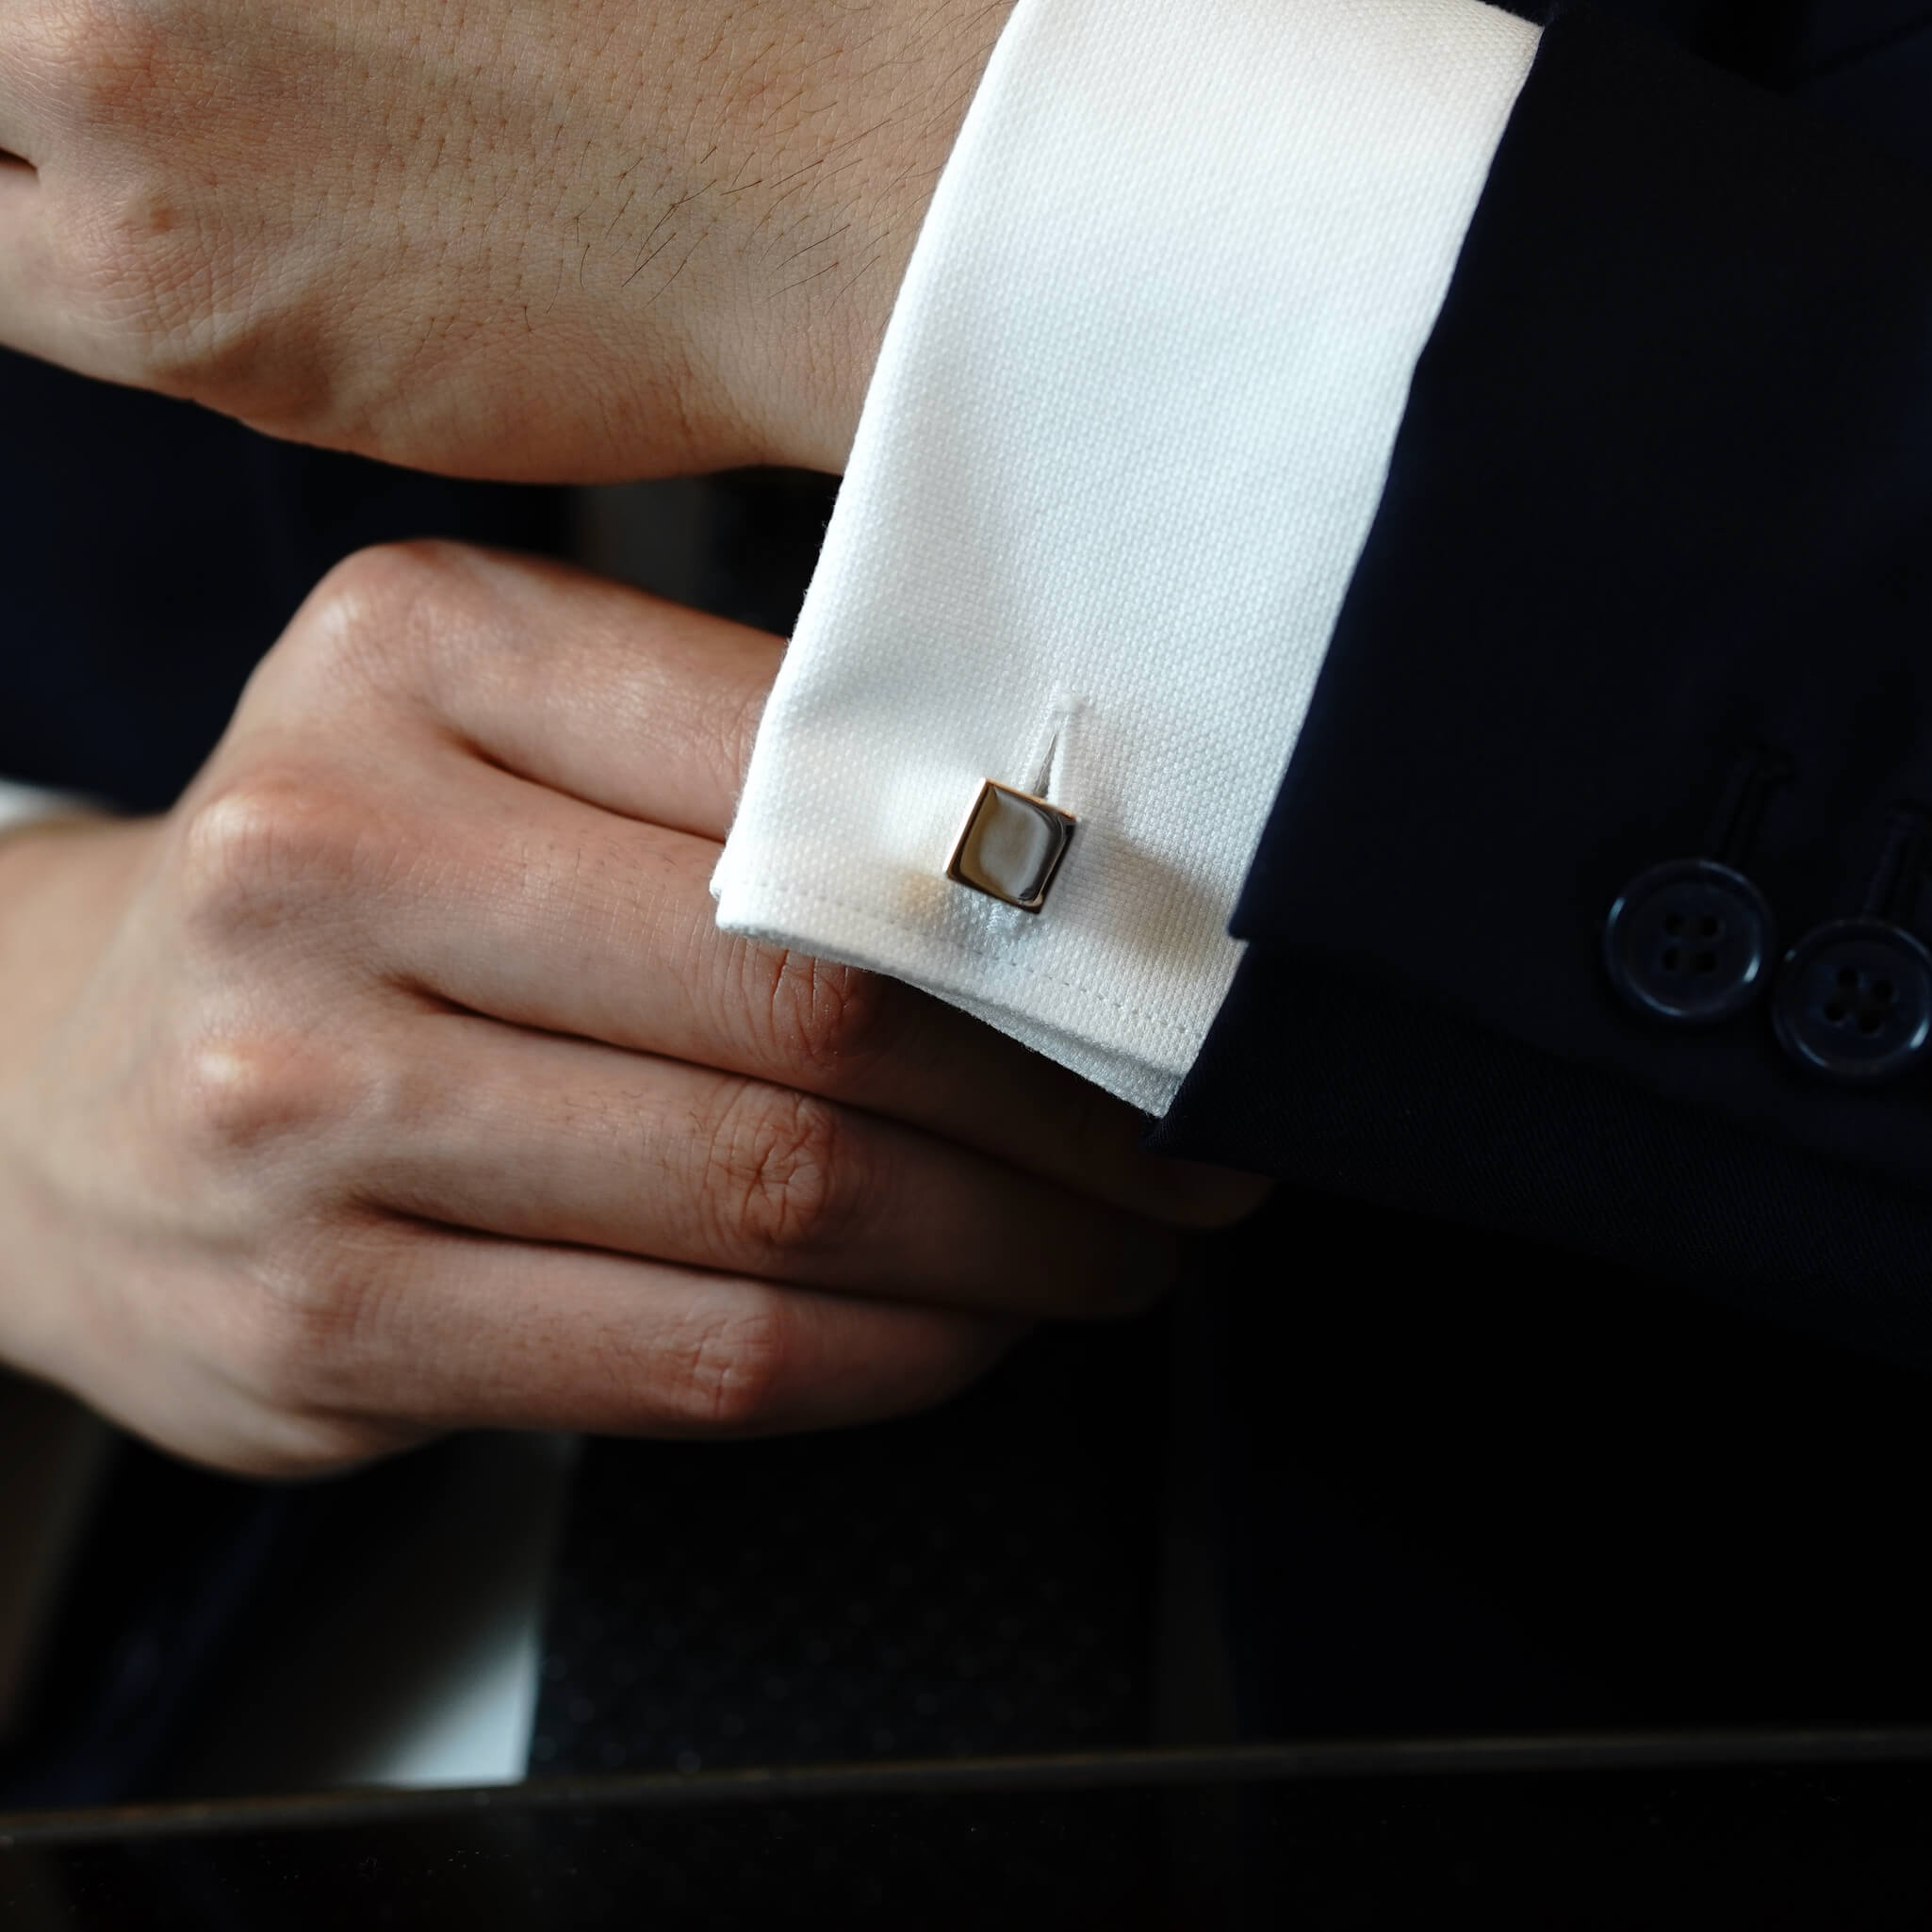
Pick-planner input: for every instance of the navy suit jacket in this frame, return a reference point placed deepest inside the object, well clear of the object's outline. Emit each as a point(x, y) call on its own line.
point(1660, 512)
point(1604, 1401)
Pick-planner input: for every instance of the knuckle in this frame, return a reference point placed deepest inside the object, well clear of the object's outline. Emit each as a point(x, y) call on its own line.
point(306, 1331)
point(283, 1346)
point(240, 1093)
point(397, 620)
point(816, 1016)
point(730, 1375)
point(392, 579)
point(781, 1179)
point(377, 601)
point(268, 843)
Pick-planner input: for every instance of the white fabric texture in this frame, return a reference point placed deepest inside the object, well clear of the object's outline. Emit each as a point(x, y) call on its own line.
point(1129, 426)
point(21, 804)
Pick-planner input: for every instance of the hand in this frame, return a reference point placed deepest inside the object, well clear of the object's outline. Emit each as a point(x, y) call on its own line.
point(566, 242)
point(400, 1079)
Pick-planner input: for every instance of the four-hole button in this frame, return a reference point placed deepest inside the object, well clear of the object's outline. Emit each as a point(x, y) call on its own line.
point(1689, 941)
point(1853, 1001)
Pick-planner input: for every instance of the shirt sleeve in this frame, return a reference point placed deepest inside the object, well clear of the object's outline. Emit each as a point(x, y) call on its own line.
point(1128, 430)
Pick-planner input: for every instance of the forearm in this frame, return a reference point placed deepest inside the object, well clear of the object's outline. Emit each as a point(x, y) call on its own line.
point(826, 159)
point(655, 239)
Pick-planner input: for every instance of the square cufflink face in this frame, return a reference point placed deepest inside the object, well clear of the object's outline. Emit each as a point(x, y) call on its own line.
point(1011, 846)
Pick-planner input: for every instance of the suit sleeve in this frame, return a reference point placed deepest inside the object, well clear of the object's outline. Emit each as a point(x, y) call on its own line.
point(1655, 548)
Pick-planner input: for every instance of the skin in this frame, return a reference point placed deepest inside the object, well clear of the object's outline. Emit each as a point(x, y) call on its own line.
point(580, 241)
point(400, 1079)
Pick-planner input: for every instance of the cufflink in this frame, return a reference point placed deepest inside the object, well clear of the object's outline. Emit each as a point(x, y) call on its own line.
point(1011, 845)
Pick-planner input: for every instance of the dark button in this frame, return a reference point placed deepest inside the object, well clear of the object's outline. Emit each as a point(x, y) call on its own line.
point(1854, 1000)
point(1689, 941)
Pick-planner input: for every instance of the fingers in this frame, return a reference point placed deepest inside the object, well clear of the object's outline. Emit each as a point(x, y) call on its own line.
point(592, 745)
point(453, 1331)
point(661, 734)
point(579, 922)
point(583, 687)
point(555, 1141)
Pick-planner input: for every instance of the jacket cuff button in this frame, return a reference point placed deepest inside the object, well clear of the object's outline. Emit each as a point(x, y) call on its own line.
point(1689, 941)
point(1853, 1001)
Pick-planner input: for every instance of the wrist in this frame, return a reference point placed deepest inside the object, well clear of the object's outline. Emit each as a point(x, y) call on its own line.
point(64, 883)
point(844, 171)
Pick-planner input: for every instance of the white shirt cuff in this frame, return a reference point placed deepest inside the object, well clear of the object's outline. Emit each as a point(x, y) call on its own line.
point(1129, 427)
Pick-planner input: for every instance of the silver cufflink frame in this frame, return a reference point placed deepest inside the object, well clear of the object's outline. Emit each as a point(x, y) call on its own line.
point(1000, 815)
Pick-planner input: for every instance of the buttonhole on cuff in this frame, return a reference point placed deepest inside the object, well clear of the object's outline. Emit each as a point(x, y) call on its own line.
point(1049, 770)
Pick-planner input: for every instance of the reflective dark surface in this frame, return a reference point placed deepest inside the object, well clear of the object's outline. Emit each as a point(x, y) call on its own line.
point(1773, 1830)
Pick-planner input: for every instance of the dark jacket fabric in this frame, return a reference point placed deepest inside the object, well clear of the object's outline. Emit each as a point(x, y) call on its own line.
point(150, 552)
point(1576, 1378)
point(1660, 505)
